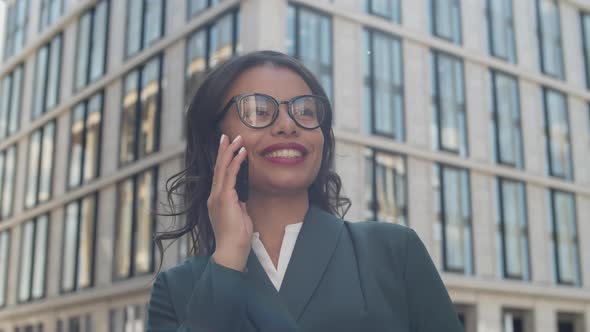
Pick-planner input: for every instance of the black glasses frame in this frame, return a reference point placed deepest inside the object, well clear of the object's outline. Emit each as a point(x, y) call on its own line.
point(237, 99)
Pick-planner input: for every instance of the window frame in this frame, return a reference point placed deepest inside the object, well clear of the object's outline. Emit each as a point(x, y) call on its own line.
point(155, 172)
point(142, 26)
point(490, 25)
point(35, 241)
point(370, 83)
point(396, 7)
point(47, 20)
point(554, 237)
point(548, 137)
point(41, 131)
point(79, 202)
point(541, 44)
point(139, 70)
point(434, 25)
point(44, 94)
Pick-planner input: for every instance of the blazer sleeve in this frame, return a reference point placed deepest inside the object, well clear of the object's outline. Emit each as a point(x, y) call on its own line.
point(217, 302)
point(430, 305)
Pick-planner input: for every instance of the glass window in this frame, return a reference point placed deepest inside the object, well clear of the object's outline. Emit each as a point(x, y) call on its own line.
point(453, 207)
point(82, 323)
point(515, 320)
point(141, 99)
point(91, 41)
point(29, 328)
point(512, 229)
point(135, 227)
point(17, 19)
point(47, 77)
point(501, 39)
point(559, 153)
point(569, 322)
point(565, 238)
point(448, 104)
point(195, 7)
point(40, 165)
point(33, 254)
point(445, 20)
point(586, 45)
point(4, 251)
point(384, 84)
point(385, 187)
point(85, 136)
point(388, 9)
point(130, 318)
point(549, 26)
point(309, 38)
point(10, 101)
point(223, 44)
point(145, 24)
point(78, 247)
point(507, 131)
point(7, 181)
point(51, 10)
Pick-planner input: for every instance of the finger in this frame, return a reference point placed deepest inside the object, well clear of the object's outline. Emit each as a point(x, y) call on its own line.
point(231, 173)
point(224, 160)
point(220, 149)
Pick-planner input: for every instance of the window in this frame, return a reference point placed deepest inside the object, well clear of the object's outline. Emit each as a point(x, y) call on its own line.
point(453, 208)
point(135, 225)
point(7, 181)
point(40, 165)
point(85, 138)
point(449, 128)
point(516, 320)
point(91, 45)
point(549, 31)
point(384, 87)
point(17, 19)
point(51, 10)
point(445, 20)
point(4, 251)
point(586, 45)
point(309, 38)
point(29, 328)
point(33, 256)
point(75, 324)
point(141, 111)
point(10, 102)
point(512, 230)
point(47, 77)
point(78, 244)
point(145, 24)
point(501, 39)
point(196, 7)
point(385, 187)
point(569, 322)
point(507, 132)
point(388, 9)
point(557, 134)
point(222, 37)
point(130, 318)
point(562, 213)
point(467, 316)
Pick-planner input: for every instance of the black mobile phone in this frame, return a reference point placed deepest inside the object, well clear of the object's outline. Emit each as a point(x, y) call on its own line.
point(242, 181)
point(242, 177)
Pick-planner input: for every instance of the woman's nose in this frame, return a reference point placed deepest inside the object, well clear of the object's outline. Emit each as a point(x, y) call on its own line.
point(284, 124)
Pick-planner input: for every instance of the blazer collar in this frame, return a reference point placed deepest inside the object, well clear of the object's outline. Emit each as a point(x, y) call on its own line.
point(313, 249)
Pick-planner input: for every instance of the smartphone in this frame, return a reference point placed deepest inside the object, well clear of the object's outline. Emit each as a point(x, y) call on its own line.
point(242, 177)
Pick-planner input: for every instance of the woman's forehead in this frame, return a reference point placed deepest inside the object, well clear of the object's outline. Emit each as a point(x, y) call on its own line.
point(281, 83)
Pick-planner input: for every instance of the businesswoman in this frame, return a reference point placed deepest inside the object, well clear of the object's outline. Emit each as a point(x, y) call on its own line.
point(283, 260)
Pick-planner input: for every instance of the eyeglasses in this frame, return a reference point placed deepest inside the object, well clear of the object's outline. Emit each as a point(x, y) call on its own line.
point(258, 110)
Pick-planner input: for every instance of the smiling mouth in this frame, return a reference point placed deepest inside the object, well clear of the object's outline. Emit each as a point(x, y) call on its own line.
point(285, 156)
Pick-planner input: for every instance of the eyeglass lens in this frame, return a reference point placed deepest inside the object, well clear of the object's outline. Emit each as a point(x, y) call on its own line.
point(259, 110)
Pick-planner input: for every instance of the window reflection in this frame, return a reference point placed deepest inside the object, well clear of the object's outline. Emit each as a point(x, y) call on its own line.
point(124, 228)
point(91, 44)
point(506, 120)
point(7, 182)
point(17, 18)
point(51, 10)
point(4, 247)
point(557, 135)
point(548, 22)
point(10, 101)
point(33, 251)
point(388, 9)
point(445, 20)
point(47, 77)
point(501, 29)
point(565, 238)
point(145, 20)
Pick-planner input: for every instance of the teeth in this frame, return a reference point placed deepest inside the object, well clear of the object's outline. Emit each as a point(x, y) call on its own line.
point(285, 153)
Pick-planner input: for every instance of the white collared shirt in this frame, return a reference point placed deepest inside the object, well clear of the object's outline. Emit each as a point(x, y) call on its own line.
point(276, 275)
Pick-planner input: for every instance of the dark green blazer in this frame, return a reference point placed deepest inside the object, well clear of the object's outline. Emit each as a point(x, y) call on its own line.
point(342, 276)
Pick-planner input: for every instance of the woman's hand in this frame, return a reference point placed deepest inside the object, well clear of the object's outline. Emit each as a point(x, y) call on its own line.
point(231, 223)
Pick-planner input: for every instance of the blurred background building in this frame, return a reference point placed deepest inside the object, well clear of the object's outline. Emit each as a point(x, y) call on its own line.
point(467, 120)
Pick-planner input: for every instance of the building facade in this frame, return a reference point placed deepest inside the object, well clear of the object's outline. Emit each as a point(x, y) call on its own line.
point(467, 120)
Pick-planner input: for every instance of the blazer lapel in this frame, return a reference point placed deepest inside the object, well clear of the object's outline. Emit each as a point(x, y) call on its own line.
point(313, 249)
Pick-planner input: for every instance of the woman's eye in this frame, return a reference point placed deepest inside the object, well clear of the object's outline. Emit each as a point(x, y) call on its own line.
point(262, 112)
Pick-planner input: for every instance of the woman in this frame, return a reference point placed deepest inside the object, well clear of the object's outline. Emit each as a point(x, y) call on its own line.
point(283, 260)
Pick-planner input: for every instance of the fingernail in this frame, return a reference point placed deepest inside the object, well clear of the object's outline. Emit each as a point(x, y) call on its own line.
point(242, 149)
point(222, 138)
point(236, 139)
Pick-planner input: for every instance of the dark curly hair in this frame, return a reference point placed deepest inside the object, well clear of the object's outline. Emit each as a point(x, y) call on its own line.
point(192, 185)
